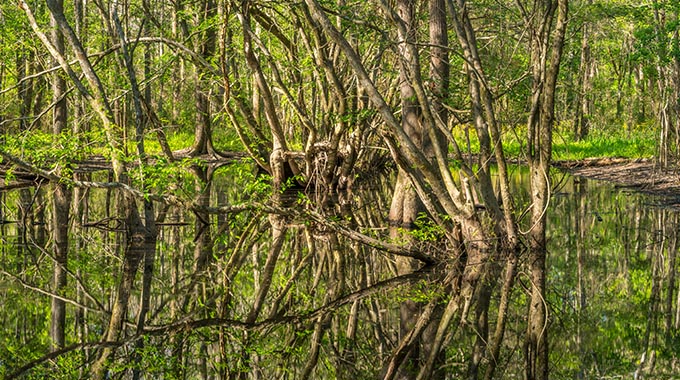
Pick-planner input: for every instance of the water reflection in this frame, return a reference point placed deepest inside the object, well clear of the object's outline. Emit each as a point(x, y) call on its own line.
point(613, 283)
point(251, 295)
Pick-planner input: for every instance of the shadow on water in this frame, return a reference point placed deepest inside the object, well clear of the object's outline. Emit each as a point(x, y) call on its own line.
point(285, 297)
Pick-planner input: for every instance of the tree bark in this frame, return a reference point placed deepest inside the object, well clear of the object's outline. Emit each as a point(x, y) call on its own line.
point(207, 48)
point(584, 98)
point(61, 201)
point(545, 69)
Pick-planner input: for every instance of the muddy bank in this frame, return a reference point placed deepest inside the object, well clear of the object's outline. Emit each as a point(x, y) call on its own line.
point(643, 175)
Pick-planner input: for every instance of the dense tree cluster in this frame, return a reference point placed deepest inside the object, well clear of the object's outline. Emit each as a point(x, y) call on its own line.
point(304, 189)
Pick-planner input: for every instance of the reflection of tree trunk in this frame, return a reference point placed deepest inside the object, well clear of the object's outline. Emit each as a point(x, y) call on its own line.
point(278, 229)
point(203, 247)
point(649, 339)
point(481, 324)
point(497, 339)
point(336, 286)
point(202, 225)
point(61, 203)
point(262, 287)
point(546, 53)
point(61, 206)
point(147, 277)
point(139, 241)
point(176, 260)
point(536, 348)
point(580, 232)
point(668, 303)
point(81, 201)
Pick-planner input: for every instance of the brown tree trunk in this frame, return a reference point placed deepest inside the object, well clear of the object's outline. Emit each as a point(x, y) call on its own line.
point(406, 205)
point(546, 52)
point(584, 98)
point(61, 203)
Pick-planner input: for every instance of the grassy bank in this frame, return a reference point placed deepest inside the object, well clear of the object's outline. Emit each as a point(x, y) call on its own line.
point(599, 144)
point(640, 144)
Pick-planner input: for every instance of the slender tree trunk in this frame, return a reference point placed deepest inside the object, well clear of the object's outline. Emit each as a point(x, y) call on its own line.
point(585, 74)
point(61, 203)
point(546, 53)
point(205, 45)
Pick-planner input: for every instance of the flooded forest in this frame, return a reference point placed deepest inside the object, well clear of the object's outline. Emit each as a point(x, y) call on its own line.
point(337, 189)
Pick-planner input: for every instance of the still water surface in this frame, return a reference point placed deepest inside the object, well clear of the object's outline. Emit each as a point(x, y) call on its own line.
point(613, 292)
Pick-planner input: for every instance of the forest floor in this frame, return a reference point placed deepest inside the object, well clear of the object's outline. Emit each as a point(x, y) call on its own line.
point(642, 175)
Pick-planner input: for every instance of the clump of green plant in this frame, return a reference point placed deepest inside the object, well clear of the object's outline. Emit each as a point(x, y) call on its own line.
point(422, 292)
point(426, 230)
point(50, 151)
point(161, 175)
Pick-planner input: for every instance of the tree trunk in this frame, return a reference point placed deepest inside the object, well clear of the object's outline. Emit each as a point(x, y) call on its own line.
point(61, 203)
point(406, 206)
point(545, 69)
point(584, 98)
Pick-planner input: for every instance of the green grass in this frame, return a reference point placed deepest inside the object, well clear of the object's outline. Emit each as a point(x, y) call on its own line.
point(599, 146)
point(181, 139)
point(639, 143)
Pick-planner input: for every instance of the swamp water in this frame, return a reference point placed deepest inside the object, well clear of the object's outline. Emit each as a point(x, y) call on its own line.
point(282, 298)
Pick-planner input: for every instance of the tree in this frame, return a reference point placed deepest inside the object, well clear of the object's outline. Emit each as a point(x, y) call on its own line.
point(546, 44)
point(61, 197)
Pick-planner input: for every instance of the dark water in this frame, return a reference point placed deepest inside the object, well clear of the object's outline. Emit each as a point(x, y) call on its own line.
point(300, 301)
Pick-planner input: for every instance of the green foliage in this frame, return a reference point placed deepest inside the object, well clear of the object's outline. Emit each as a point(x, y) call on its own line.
point(423, 292)
point(426, 230)
point(26, 336)
point(639, 142)
point(600, 144)
point(161, 176)
point(245, 181)
point(50, 151)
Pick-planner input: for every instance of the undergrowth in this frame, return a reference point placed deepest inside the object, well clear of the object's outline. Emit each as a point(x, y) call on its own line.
point(640, 143)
